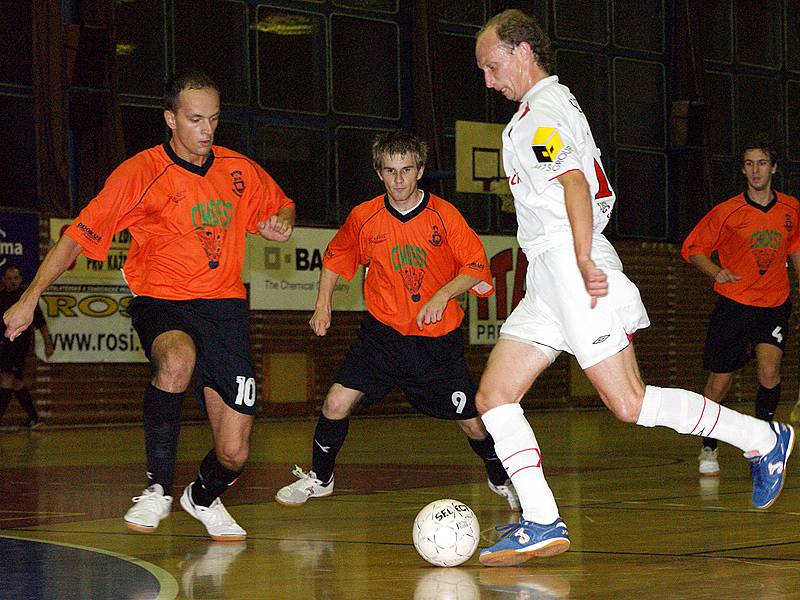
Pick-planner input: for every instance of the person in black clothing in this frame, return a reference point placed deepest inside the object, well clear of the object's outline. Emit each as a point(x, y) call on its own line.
point(13, 353)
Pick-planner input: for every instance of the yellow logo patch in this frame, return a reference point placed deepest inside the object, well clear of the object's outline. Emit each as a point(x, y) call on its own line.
point(546, 144)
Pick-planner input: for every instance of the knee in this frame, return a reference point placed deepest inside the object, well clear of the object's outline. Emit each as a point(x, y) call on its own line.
point(473, 428)
point(769, 377)
point(626, 410)
point(174, 368)
point(233, 456)
point(485, 400)
point(338, 403)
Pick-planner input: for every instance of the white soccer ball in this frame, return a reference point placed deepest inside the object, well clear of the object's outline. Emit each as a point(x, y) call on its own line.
point(446, 533)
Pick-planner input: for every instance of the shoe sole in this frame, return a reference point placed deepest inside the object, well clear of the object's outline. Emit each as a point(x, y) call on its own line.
point(139, 528)
point(710, 473)
point(789, 448)
point(217, 538)
point(295, 504)
point(509, 558)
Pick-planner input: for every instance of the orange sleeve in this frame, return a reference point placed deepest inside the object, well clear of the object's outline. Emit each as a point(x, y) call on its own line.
point(113, 209)
point(794, 243)
point(269, 196)
point(470, 253)
point(343, 254)
point(705, 236)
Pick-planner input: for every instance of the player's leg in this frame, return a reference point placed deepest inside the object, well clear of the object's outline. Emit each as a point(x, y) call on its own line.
point(6, 391)
point(768, 360)
point(717, 387)
point(172, 357)
point(511, 369)
point(482, 444)
point(329, 436)
point(767, 447)
point(220, 469)
point(25, 400)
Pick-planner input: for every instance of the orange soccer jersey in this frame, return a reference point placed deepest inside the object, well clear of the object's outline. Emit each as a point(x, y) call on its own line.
point(751, 241)
point(408, 258)
point(188, 224)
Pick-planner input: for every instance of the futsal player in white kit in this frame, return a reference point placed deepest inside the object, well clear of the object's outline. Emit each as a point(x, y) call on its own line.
point(578, 299)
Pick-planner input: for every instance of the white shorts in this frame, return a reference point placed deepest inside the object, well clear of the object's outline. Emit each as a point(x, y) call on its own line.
point(555, 314)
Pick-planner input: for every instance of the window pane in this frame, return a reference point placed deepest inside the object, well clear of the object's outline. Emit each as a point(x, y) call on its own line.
point(140, 47)
point(143, 127)
point(792, 30)
point(639, 24)
point(229, 135)
point(292, 72)
point(539, 9)
point(586, 75)
point(715, 27)
point(723, 180)
point(297, 160)
point(793, 184)
point(641, 187)
point(465, 12)
point(639, 103)
point(758, 32)
point(18, 152)
point(356, 181)
point(793, 120)
point(206, 30)
point(719, 132)
point(759, 106)
point(365, 75)
point(463, 92)
point(380, 5)
point(16, 43)
point(584, 21)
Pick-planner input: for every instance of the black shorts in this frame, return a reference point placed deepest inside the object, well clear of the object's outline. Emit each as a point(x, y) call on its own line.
point(13, 355)
point(431, 372)
point(735, 329)
point(221, 333)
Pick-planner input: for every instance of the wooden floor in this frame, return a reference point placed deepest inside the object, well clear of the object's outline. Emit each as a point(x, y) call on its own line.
point(643, 523)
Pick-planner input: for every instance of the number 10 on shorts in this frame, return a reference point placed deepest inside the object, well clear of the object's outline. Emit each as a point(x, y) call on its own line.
point(246, 392)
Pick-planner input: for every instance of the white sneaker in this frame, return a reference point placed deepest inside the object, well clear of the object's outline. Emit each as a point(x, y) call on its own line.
point(709, 463)
point(507, 491)
point(307, 486)
point(220, 524)
point(148, 509)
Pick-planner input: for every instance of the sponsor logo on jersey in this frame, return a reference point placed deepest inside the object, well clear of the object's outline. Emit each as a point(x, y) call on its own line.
point(411, 262)
point(211, 220)
point(546, 144)
point(378, 238)
point(763, 244)
point(89, 232)
point(436, 237)
point(787, 223)
point(238, 183)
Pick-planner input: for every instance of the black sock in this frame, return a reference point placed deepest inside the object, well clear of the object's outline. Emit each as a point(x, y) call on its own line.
point(767, 402)
point(212, 479)
point(5, 400)
point(494, 468)
point(162, 426)
point(25, 400)
point(709, 443)
point(329, 438)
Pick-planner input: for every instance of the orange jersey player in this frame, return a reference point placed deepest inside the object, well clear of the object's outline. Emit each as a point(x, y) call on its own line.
point(409, 257)
point(420, 254)
point(752, 235)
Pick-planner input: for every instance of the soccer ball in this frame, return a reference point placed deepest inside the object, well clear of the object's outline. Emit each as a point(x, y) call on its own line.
point(446, 533)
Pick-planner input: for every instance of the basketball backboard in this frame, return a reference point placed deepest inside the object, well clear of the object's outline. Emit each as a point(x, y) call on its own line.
point(479, 158)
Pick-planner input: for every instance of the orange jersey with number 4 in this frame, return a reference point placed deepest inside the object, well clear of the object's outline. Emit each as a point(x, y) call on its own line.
point(408, 258)
point(753, 242)
point(188, 224)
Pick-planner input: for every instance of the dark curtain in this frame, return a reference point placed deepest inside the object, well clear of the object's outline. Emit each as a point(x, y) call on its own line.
point(49, 89)
point(427, 75)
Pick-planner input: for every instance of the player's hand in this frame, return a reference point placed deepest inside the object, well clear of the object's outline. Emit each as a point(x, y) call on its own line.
point(17, 319)
point(276, 228)
point(595, 280)
point(725, 276)
point(432, 311)
point(320, 321)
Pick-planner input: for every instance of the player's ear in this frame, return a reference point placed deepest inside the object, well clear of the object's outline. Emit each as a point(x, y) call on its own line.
point(169, 117)
point(420, 172)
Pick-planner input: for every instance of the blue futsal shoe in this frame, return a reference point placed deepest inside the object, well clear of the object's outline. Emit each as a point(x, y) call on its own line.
point(769, 470)
point(522, 541)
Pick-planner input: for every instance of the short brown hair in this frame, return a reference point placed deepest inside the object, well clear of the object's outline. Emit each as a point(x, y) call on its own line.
point(395, 143)
point(760, 142)
point(185, 80)
point(514, 26)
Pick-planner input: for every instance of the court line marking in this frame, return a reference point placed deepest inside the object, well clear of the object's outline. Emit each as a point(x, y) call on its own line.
point(168, 586)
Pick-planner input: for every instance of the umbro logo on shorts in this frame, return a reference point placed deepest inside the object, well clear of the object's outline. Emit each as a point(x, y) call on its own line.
point(601, 339)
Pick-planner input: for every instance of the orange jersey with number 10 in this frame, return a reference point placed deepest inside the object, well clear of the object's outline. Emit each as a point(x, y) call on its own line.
point(751, 241)
point(408, 258)
point(188, 224)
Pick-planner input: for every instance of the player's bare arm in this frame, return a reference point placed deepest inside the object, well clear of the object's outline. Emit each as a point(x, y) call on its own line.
point(579, 211)
point(19, 317)
point(433, 309)
point(321, 319)
point(279, 227)
point(712, 269)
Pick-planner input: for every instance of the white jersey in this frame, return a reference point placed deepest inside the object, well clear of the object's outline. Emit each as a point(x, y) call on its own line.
point(548, 136)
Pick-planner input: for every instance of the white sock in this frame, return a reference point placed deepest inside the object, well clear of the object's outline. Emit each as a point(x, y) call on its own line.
point(517, 447)
point(688, 412)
